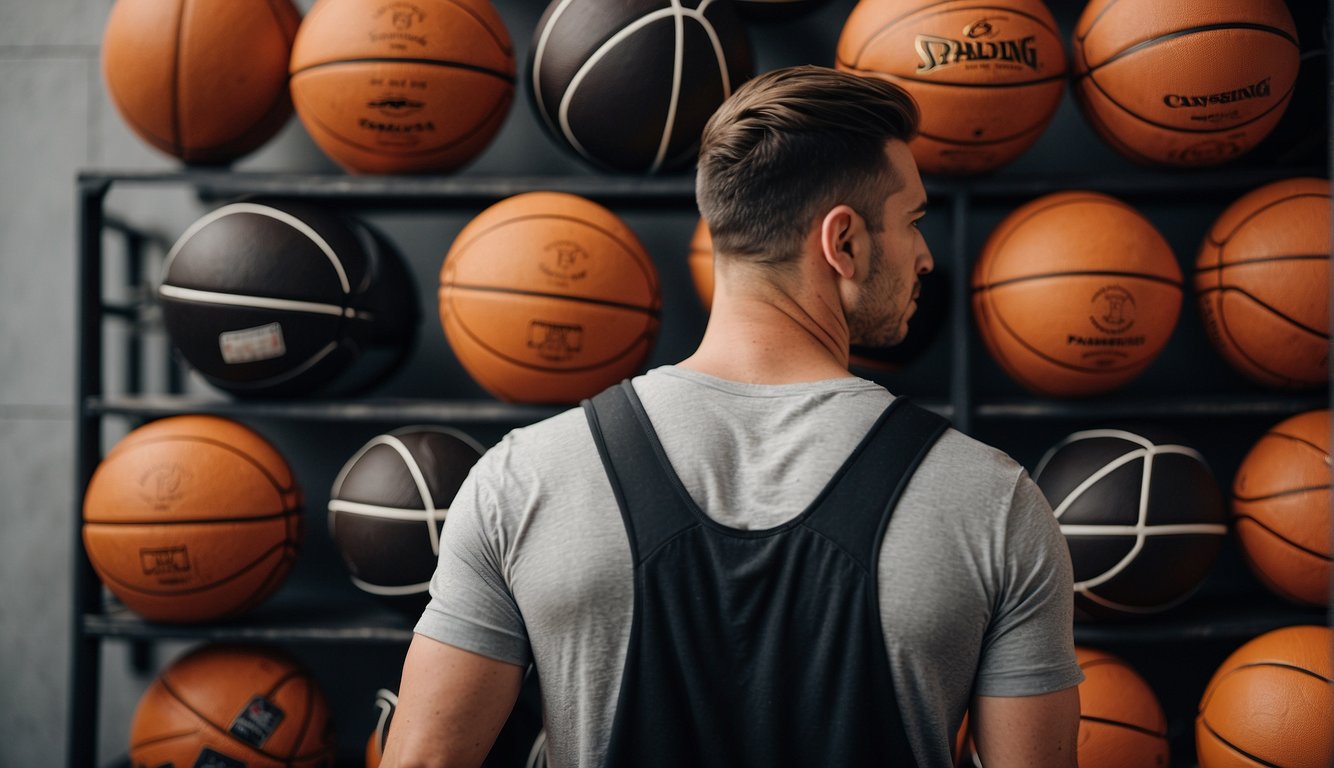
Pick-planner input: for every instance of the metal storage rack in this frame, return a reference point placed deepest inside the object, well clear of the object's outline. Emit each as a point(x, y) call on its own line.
point(285, 619)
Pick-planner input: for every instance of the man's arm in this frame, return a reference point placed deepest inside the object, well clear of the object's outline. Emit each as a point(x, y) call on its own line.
point(1027, 731)
point(451, 705)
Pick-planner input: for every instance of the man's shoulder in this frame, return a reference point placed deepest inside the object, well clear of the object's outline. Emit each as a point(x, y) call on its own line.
point(964, 465)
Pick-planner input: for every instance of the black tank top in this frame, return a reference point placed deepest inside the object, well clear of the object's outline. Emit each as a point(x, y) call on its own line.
point(757, 648)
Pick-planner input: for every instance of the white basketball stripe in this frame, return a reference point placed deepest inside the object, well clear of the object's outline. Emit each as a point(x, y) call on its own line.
point(385, 513)
point(679, 14)
point(260, 210)
point(380, 589)
point(1178, 529)
point(1102, 472)
point(291, 374)
point(678, 62)
point(386, 701)
point(539, 51)
point(259, 302)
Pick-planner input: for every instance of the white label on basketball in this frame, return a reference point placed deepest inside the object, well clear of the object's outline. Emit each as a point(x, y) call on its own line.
point(249, 345)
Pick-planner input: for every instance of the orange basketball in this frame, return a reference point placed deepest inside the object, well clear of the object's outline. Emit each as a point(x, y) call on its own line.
point(1121, 722)
point(547, 297)
point(701, 263)
point(402, 87)
point(204, 81)
point(1280, 499)
point(226, 705)
point(988, 74)
point(1184, 82)
point(1075, 294)
point(1262, 282)
point(192, 518)
point(1270, 703)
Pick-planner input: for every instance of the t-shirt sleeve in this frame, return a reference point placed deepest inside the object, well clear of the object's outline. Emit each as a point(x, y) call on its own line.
point(471, 605)
point(1029, 648)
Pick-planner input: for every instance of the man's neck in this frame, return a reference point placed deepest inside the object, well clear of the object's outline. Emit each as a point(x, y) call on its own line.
point(772, 339)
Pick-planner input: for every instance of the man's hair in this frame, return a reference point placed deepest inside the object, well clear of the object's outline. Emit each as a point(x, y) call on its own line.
point(792, 143)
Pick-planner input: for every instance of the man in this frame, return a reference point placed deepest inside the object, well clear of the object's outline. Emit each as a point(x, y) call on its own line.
point(754, 557)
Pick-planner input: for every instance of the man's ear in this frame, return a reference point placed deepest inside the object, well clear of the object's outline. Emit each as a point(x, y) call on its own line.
point(839, 230)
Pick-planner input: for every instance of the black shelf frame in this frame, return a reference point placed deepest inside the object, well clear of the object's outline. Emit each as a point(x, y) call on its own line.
point(93, 623)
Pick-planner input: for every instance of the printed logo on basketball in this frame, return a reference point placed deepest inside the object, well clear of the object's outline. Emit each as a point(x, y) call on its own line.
point(401, 18)
point(396, 135)
point(162, 485)
point(1208, 152)
point(210, 759)
point(977, 49)
point(257, 722)
point(1258, 90)
point(1113, 309)
point(396, 106)
point(555, 341)
point(165, 561)
point(564, 261)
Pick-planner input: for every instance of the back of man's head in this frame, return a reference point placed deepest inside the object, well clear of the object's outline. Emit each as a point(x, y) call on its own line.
point(790, 144)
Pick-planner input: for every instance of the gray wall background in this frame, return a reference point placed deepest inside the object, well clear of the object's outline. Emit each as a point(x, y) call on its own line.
point(57, 119)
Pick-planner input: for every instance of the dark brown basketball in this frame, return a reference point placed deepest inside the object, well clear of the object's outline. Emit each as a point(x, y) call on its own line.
point(1262, 283)
point(1182, 83)
point(402, 87)
point(548, 298)
point(988, 74)
point(224, 705)
point(192, 518)
point(202, 80)
point(1280, 502)
point(1075, 294)
point(1270, 703)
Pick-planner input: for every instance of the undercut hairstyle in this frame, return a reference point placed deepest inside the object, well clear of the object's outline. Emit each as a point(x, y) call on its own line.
point(791, 144)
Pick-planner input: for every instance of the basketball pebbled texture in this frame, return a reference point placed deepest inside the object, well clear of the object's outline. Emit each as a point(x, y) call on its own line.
point(1137, 547)
point(1270, 703)
point(1184, 83)
point(246, 705)
point(192, 518)
point(1262, 284)
point(402, 87)
point(988, 75)
point(548, 297)
point(275, 298)
point(628, 86)
point(1075, 294)
point(201, 80)
point(1281, 505)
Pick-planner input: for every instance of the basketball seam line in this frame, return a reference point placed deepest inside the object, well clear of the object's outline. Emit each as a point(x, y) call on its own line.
point(1280, 102)
point(977, 7)
point(1122, 724)
point(1324, 454)
point(285, 544)
point(645, 264)
point(1080, 273)
point(1281, 665)
point(1182, 33)
point(1251, 216)
point(1281, 494)
point(224, 732)
point(1287, 540)
point(1273, 310)
point(201, 521)
point(226, 447)
point(505, 76)
point(1070, 198)
point(1234, 747)
point(1081, 38)
point(1061, 364)
point(651, 312)
point(162, 738)
point(1225, 330)
point(1266, 260)
point(954, 84)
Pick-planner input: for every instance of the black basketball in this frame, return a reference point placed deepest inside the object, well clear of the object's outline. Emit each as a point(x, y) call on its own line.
point(271, 298)
point(1141, 513)
point(388, 505)
point(629, 85)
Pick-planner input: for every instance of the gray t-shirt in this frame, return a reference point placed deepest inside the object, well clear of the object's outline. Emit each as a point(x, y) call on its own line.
point(976, 585)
